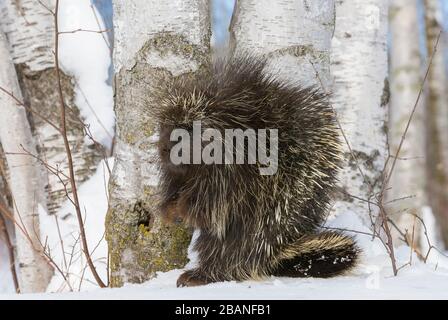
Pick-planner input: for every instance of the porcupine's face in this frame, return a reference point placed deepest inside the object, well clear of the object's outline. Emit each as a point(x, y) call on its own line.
point(165, 146)
point(173, 179)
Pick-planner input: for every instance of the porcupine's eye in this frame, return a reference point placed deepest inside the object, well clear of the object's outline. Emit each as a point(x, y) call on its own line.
point(165, 149)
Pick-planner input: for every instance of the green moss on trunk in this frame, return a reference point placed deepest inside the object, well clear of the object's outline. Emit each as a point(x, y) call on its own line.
point(139, 244)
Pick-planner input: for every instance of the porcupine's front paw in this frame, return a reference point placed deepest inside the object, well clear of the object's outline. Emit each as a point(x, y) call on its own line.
point(192, 278)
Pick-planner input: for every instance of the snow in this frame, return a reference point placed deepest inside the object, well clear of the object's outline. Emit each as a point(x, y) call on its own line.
point(6, 284)
point(87, 56)
point(93, 199)
point(372, 279)
point(432, 230)
point(418, 282)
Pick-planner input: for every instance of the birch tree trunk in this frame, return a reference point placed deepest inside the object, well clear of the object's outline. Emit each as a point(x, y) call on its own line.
point(29, 27)
point(294, 34)
point(153, 39)
point(437, 119)
point(15, 134)
point(360, 97)
point(8, 263)
point(408, 178)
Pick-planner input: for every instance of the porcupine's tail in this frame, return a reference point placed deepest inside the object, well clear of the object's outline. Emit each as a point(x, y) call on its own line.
point(321, 255)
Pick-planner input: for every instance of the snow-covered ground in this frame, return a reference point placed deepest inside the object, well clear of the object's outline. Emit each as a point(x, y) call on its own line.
point(417, 282)
point(373, 279)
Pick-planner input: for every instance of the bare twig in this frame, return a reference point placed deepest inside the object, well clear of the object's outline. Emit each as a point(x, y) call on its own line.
point(99, 27)
point(9, 245)
point(387, 177)
point(379, 198)
point(382, 219)
point(69, 153)
point(327, 94)
point(411, 116)
point(61, 241)
point(83, 30)
point(350, 230)
point(430, 245)
point(22, 104)
point(47, 254)
point(46, 7)
point(400, 199)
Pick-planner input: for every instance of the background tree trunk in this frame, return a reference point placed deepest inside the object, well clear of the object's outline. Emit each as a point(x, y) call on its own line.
point(294, 34)
point(437, 120)
point(29, 27)
point(9, 280)
point(15, 134)
point(152, 39)
point(408, 178)
point(361, 96)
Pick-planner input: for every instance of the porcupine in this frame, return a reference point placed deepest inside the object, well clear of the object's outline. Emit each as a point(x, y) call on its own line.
point(252, 225)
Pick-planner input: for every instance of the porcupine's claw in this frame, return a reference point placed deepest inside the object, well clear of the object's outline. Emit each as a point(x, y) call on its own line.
point(191, 278)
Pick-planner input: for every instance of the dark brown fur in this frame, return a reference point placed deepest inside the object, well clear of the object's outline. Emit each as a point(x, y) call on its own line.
point(251, 225)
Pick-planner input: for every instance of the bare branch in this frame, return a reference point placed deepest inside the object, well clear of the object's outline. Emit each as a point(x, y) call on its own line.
point(69, 153)
point(9, 245)
point(83, 30)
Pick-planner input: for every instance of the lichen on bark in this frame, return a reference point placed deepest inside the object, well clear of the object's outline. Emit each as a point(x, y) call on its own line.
point(139, 243)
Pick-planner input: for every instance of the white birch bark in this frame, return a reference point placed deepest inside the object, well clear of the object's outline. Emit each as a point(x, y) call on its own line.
point(437, 118)
point(408, 178)
point(29, 27)
point(15, 133)
point(294, 34)
point(360, 97)
point(153, 39)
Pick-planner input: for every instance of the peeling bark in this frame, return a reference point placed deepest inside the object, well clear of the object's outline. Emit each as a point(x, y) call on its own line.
point(15, 134)
point(40, 94)
point(29, 27)
point(153, 40)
